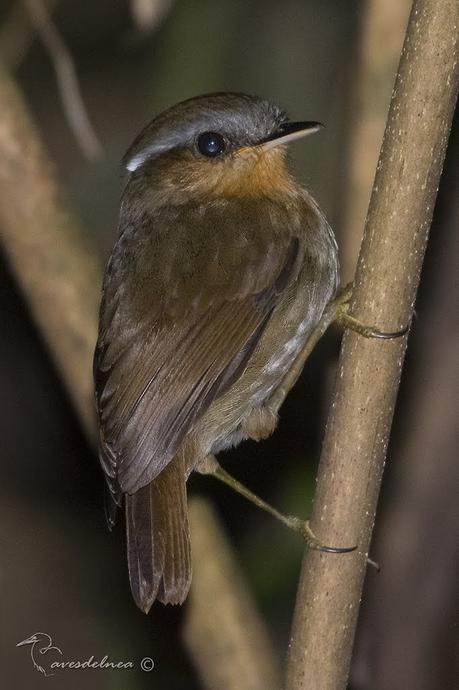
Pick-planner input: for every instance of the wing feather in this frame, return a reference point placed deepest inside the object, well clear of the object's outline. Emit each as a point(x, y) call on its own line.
point(162, 359)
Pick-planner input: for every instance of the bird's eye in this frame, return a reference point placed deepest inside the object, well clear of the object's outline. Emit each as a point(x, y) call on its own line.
point(211, 144)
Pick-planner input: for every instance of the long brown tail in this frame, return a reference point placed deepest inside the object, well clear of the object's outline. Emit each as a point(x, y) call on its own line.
point(158, 539)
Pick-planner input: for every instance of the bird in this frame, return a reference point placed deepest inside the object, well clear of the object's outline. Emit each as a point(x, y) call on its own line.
point(223, 266)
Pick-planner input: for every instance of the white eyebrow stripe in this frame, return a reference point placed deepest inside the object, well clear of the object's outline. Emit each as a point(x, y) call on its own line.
point(148, 152)
point(140, 158)
point(136, 161)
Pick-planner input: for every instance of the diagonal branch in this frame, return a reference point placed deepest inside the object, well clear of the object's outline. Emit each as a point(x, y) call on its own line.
point(387, 278)
point(56, 271)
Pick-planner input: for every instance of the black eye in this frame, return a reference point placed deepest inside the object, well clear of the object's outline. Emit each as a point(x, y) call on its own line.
point(211, 144)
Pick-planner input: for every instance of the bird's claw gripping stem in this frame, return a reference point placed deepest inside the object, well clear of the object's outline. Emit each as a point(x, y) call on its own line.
point(303, 527)
point(340, 305)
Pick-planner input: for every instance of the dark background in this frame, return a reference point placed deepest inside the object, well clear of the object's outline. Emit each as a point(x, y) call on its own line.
point(61, 571)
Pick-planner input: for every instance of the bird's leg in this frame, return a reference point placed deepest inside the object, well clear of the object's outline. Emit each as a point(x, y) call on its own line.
point(211, 466)
point(336, 310)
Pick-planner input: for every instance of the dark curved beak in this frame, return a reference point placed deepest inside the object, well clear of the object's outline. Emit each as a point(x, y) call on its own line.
point(290, 131)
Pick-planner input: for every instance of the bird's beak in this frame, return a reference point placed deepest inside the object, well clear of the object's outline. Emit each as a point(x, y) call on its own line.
point(28, 641)
point(289, 132)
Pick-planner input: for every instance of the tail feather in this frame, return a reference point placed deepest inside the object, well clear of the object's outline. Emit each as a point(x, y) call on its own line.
point(158, 537)
point(176, 577)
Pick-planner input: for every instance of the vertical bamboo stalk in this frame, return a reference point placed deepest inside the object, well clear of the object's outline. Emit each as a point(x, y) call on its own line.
point(368, 376)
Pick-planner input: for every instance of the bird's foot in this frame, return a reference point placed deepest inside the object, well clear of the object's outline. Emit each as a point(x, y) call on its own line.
point(340, 307)
point(303, 527)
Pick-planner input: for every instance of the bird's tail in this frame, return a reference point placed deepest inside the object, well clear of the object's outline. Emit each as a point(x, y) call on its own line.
point(158, 538)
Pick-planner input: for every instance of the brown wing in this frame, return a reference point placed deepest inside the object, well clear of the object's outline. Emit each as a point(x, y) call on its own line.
point(169, 346)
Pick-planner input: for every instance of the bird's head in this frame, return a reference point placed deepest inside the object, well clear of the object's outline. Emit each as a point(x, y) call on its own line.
point(219, 145)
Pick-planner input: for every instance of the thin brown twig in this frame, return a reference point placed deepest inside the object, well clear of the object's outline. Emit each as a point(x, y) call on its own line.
point(67, 79)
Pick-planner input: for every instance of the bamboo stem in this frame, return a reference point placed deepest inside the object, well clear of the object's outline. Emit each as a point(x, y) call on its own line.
point(369, 371)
